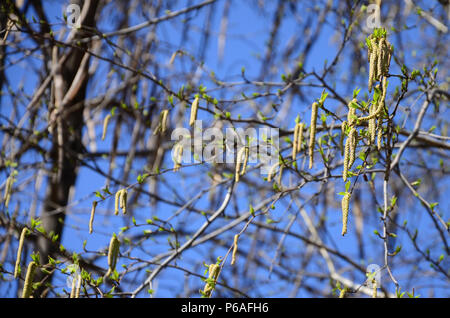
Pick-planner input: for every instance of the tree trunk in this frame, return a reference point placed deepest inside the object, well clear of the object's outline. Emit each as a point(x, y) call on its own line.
point(72, 80)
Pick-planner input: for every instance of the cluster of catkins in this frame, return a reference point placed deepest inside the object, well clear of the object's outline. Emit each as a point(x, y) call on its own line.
point(379, 56)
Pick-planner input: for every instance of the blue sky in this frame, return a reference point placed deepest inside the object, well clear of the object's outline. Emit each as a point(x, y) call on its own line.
point(247, 34)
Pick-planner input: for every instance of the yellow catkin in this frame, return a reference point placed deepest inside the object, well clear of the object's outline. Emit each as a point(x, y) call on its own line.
point(91, 220)
point(172, 58)
point(346, 158)
point(78, 288)
point(73, 287)
point(19, 251)
point(280, 175)
point(294, 143)
point(117, 201)
point(244, 166)
point(374, 288)
point(8, 187)
point(351, 115)
point(353, 144)
point(380, 134)
point(164, 120)
point(113, 252)
point(28, 285)
point(345, 205)
point(178, 154)
point(300, 137)
point(194, 109)
point(239, 160)
point(312, 134)
point(105, 125)
point(341, 140)
point(372, 124)
point(381, 47)
point(213, 273)
point(271, 171)
point(372, 62)
point(343, 292)
point(235, 247)
point(123, 201)
point(383, 90)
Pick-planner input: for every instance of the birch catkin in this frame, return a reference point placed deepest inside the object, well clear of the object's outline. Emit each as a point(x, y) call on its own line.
point(19, 251)
point(213, 273)
point(312, 134)
point(239, 160)
point(28, 284)
point(380, 52)
point(300, 137)
point(91, 220)
point(353, 144)
point(194, 109)
point(374, 288)
point(235, 247)
point(271, 171)
point(372, 62)
point(345, 206)
point(244, 166)
point(123, 201)
point(294, 143)
point(8, 187)
point(117, 201)
point(113, 252)
point(341, 140)
point(346, 158)
point(177, 156)
point(77, 291)
point(73, 287)
point(164, 120)
point(105, 125)
point(380, 134)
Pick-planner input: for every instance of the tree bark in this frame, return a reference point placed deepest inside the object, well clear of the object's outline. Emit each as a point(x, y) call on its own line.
point(66, 142)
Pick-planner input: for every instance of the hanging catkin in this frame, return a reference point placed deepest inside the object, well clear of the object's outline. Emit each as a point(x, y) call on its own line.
point(294, 143)
point(346, 158)
point(372, 62)
point(345, 206)
point(272, 171)
point(353, 144)
point(73, 287)
point(246, 155)
point(8, 188)
point(177, 156)
point(351, 115)
point(300, 137)
point(19, 251)
point(164, 114)
point(113, 252)
point(117, 201)
point(381, 47)
point(213, 273)
point(380, 134)
point(312, 134)
point(77, 290)
point(194, 109)
point(235, 247)
point(28, 284)
point(239, 160)
point(123, 201)
point(91, 219)
point(374, 288)
point(105, 125)
point(341, 140)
